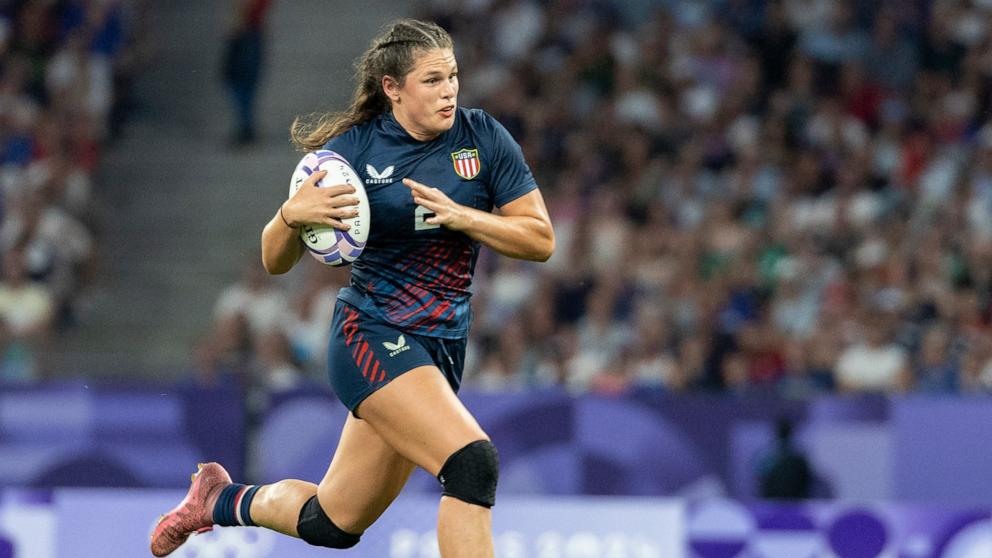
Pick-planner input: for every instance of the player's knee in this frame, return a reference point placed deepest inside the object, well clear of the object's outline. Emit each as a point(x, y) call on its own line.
point(470, 474)
point(317, 529)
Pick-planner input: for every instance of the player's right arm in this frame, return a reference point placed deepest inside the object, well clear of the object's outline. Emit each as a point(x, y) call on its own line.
point(281, 244)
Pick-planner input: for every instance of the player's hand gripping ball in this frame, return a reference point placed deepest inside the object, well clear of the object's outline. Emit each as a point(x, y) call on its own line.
point(325, 243)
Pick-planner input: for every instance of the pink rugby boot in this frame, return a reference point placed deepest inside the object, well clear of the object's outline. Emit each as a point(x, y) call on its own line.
point(195, 514)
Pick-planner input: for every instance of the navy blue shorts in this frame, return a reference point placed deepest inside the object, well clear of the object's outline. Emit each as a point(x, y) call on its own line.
point(366, 352)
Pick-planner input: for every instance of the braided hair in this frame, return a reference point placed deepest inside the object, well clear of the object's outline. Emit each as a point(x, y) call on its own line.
point(392, 53)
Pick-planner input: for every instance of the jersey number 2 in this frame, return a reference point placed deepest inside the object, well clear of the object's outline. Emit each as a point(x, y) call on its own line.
point(421, 214)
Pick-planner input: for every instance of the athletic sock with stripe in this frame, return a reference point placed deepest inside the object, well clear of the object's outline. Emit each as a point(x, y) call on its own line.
point(233, 505)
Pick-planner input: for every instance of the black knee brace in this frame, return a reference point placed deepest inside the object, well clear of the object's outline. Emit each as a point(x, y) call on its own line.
point(470, 474)
point(317, 529)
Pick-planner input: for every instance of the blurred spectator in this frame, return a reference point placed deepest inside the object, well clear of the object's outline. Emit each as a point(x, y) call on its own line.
point(508, 288)
point(784, 473)
point(794, 311)
point(762, 348)
point(256, 297)
point(600, 338)
point(232, 350)
point(308, 319)
point(838, 41)
point(652, 362)
point(873, 362)
point(891, 58)
point(804, 377)
point(27, 312)
point(936, 371)
point(210, 368)
point(58, 249)
point(692, 360)
point(616, 377)
point(275, 370)
point(734, 374)
point(501, 366)
point(976, 369)
point(244, 52)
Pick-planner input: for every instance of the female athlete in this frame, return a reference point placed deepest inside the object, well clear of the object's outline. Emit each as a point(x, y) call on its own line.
point(434, 173)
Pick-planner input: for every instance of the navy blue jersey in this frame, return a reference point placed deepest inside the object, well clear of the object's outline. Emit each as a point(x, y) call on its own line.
point(413, 274)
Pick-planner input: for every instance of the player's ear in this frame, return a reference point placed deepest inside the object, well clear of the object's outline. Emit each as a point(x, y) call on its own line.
point(392, 88)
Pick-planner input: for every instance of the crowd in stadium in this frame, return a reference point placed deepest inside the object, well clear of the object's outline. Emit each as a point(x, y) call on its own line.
point(749, 196)
point(65, 67)
point(791, 197)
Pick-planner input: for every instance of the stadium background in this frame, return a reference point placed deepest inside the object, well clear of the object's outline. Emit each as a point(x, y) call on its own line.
point(765, 211)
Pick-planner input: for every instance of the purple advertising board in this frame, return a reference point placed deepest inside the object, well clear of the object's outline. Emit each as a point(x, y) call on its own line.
point(943, 450)
point(910, 449)
point(730, 529)
point(76, 434)
point(87, 523)
point(914, 449)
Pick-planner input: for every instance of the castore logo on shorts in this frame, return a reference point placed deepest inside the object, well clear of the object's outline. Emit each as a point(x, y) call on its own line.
point(396, 348)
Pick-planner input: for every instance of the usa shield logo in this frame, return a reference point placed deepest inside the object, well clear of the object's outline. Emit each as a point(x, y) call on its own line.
point(467, 163)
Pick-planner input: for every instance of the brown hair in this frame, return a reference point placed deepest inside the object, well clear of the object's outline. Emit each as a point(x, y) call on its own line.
point(392, 53)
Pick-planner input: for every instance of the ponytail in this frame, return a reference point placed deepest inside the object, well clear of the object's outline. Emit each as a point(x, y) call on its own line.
point(392, 53)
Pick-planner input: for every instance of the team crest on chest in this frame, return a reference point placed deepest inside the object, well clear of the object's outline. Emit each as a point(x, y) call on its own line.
point(467, 163)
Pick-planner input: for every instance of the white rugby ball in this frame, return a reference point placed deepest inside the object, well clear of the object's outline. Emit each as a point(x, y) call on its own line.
point(326, 244)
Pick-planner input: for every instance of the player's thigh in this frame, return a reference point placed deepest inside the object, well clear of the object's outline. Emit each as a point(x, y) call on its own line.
point(365, 476)
point(419, 415)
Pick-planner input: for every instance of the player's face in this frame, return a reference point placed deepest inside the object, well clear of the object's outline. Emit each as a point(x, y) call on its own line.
point(425, 104)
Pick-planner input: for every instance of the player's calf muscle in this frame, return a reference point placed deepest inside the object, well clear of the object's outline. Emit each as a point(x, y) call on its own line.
point(277, 506)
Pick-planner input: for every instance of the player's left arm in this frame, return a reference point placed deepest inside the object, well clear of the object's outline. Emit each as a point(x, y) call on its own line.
point(521, 230)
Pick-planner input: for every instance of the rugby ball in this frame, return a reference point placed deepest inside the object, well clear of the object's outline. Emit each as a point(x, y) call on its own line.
point(326, 244)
